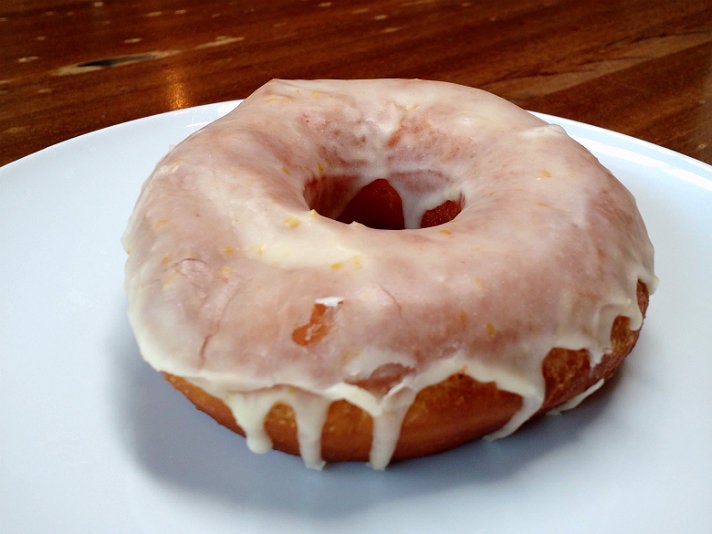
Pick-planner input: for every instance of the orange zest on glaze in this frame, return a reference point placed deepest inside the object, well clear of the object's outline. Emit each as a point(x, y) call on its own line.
point(293, 221)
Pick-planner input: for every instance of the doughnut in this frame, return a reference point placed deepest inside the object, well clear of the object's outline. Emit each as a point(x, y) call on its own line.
point(376, 270)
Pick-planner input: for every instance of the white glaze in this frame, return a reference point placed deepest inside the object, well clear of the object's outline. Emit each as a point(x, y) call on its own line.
point(577, 399)
point(228, 258)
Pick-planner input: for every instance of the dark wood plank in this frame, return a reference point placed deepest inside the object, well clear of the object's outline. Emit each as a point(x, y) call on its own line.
point(638, 67)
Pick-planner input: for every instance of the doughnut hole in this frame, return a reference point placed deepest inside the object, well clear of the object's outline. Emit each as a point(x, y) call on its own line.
point(376, 205)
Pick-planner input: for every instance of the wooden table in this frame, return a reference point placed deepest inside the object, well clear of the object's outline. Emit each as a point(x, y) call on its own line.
point(641, 67)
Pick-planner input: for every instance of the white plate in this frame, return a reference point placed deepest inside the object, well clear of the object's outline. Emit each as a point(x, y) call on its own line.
point(93, 440)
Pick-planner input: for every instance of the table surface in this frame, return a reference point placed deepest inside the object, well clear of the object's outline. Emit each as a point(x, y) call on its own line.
point(640, 67)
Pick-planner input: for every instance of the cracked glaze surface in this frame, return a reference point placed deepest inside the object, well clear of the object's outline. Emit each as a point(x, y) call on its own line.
point(237, 283)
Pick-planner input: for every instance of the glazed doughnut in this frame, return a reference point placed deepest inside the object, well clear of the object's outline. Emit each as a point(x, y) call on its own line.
point(375, 270)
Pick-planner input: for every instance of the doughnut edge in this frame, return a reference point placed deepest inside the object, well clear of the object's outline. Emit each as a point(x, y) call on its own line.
point(347, 432)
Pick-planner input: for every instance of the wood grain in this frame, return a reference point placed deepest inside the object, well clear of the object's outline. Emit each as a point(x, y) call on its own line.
point(640, 67)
